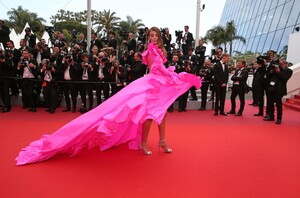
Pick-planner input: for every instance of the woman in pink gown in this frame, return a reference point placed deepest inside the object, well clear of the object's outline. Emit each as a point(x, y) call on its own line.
point(125, 117)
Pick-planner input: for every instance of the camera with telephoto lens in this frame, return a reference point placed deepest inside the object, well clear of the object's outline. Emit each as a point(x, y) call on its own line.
point(186, 63)
point(48, 65)
point(68, 57)
point(104, 59)
point(86, 65)
point(24, 63)
point(260, 59)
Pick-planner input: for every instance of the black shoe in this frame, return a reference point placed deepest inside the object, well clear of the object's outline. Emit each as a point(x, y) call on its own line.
point(216, 113)
point(202, 108)
point(239, 114)
point(194, 99)
point(184, 110)
point(52, 111)
point(66, 109)
point(231, 112)
point(258, 114)
point(82, 110)
point(73, 110)
point(5, 110)
point(278, 121)
point(33, 109)
point(269, 119)
point(48, 110)
point(223, 113)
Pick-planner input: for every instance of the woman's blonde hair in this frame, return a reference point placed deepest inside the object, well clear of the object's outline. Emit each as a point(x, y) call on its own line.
point(160, 42)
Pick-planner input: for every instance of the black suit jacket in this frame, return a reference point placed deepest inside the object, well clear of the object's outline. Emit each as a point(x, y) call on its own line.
point(97, 43)
point(131, 45)
point(259, 77)
point(138, 70)
point(113, 43)
point(74, 71)
point(283, 76)
point(241, 79)
point(189, 39)
point(220, 76)
point(31, 39)
point(200, 52)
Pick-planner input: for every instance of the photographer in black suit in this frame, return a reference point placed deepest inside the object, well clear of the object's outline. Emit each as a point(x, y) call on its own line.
point(70, 70)
point(112, 40)
point(200, 53)
point(48, 74)
point(5, 73)
point(4, 33)
point(239, 88)
point(102, 76)
point(206, 74)
point(276, 87)
point(130, 42)
point(258, 85)
point(187, 40)
point(221, 76)
point(27, 69)
point(95, 41)
point(30, 38)
point(138, 69)
point(191, 60)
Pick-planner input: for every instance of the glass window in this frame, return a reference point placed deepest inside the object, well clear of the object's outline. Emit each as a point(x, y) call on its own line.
point(276, 40)
point(274, 4)
point(267, 6)
point(294, 14)
point(276, 18)
point(250, 28)
point(261, 7)
point(261, 43)
point(285, 15)
point(268, 21)
point(285, 38)
point(255, 26)
point(244, 32)
point(281, 2)
point(255, 44)
point(261, 25)
point(268, 41)
point(256, 2)
point(249, 45)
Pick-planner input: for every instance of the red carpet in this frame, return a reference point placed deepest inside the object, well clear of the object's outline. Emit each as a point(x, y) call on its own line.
point(214, 157)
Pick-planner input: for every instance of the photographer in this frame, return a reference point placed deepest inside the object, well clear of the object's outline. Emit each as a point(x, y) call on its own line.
point(206, 74)
point(30, 38)
point(5, 74)
point(143, 35)
point(59, 41)
point(48, 74)
point(95, 41)
point(82, 43)
point(4, 33)
point(187, 40)
point(182, 100)
point(126, 58)
point(191, 60)
point(138, 69)
point(15, 56)
point(87, 75)
point(102, 76)
point(69, 73)
point(27, 69)
point(77, 53)
point(130, 43)
point(112, 41)
point(117, 75)
point(200, 53)
point(40, 52)
point(276, 89)
point(259, 85)
point(167, 38)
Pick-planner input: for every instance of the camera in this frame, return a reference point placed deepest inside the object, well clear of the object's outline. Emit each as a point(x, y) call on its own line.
point(68, 57)
point(178, 35)
point(104, 59)
point(86, 64)
point(260, 59)
point(186, 63)
point(73, 33)
point(24, 63)
point(48, 65)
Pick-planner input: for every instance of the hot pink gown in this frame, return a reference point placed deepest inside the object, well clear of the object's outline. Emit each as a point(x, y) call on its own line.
point(119, 119)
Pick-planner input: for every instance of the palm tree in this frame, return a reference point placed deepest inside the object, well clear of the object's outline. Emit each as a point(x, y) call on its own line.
point(106, 21)
point(134, 25)
point(217, 36)
point(19, 17)
point(231, 35)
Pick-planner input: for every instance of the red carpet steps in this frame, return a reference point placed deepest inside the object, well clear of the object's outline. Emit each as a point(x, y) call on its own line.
point(293, 103)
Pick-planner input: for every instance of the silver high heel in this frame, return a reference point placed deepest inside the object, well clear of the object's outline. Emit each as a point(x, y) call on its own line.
point(162, 144)
point(145, 150)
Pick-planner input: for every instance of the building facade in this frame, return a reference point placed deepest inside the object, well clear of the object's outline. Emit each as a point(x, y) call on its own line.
point(265, 24)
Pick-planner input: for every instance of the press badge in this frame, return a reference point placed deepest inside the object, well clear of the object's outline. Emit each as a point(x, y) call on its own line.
point(272, 83)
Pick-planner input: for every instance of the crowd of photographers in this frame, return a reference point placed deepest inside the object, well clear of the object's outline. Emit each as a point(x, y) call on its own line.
point(69, 70)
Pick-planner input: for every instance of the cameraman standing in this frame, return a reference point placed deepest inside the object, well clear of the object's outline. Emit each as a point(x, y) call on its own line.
point(5, 74)
point(27, 69)
point(4, 33)
point(48, 74)
point(276, 88)
point(30, 38)
point(206, 74)
point(102, 73)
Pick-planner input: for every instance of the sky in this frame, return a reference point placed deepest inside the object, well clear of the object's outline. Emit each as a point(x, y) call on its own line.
point(174, 14)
